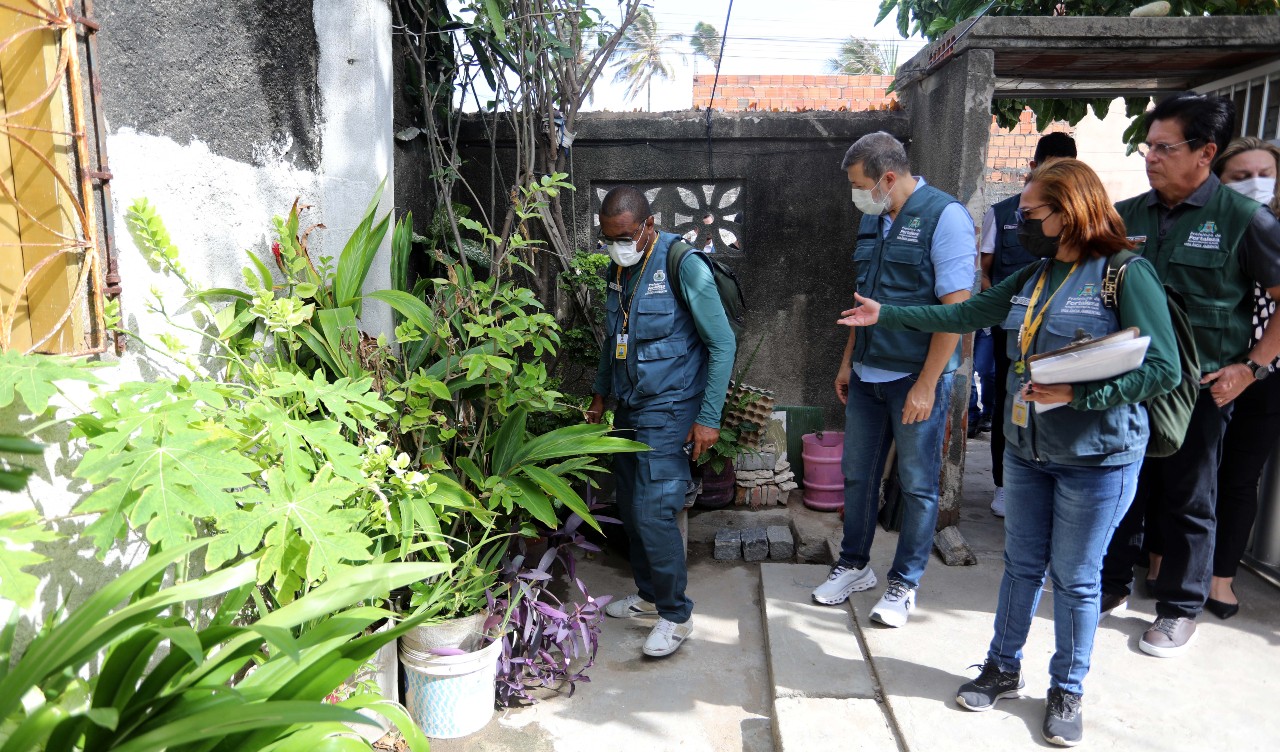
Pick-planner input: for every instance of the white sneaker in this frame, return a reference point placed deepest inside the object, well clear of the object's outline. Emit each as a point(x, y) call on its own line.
point(632, 605)
point(667, 637)
point(895, 605)
point(841, 582)
point(997, 503)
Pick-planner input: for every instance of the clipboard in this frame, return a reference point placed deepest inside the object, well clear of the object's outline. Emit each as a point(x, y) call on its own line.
point(1090, 360)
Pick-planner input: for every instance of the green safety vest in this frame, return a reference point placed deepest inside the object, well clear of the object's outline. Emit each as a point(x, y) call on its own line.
point(1200, 258)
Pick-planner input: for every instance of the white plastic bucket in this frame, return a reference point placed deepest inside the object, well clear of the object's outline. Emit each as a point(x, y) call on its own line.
point(450, 696)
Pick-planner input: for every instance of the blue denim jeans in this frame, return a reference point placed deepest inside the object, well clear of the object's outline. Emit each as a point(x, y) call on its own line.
point(650, 490)
point(1060, 517)
point(872, 420)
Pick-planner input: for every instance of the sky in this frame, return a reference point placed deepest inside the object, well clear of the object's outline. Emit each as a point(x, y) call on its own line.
point(765, 37)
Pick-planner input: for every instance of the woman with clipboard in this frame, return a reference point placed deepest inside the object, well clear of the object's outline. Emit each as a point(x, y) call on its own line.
point(1070, 473)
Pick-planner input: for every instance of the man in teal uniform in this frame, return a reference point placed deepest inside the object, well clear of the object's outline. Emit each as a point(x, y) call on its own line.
point(1211, 244)
point(667, 358)
point(915, 246)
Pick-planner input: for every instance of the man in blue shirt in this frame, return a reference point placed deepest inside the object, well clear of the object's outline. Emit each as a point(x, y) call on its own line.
point(667, 358)
point(915, 246)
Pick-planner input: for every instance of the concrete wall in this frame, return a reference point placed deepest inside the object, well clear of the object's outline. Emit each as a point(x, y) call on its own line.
point(222, 113)
point(797, 228)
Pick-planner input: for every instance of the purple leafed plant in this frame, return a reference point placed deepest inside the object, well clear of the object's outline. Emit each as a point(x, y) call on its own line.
point(544, 636)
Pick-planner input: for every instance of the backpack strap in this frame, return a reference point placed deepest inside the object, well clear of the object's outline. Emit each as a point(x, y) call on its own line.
point(675, 256)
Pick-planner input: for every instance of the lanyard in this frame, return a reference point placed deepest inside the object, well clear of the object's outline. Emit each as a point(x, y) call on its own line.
point(622, 291)
point(1031, 325)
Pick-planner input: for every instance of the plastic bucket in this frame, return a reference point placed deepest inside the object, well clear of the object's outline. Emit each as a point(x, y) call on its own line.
point(823, 480)
point(450, 696)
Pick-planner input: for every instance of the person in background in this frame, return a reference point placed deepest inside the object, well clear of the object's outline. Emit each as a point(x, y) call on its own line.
point(1211, 245)
point(981, 400)
point(1001, 256)
point(1072, 470)
point(667, 360)
point(915, 244)
point(1247, 166)
point(702, 236)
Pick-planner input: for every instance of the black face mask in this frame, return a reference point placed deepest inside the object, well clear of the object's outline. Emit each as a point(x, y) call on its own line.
point(1032, 238)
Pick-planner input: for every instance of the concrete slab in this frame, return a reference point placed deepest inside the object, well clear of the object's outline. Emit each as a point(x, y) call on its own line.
point(829, 725)
point(1214, 697)
point(813, 530)
point(710, 696)
point(813, 651)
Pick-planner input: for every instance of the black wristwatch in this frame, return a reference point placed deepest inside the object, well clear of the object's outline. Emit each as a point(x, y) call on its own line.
point(1260, 372)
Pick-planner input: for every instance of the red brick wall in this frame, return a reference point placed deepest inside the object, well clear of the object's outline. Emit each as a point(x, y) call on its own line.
point(795, 93)
point(1009, 152)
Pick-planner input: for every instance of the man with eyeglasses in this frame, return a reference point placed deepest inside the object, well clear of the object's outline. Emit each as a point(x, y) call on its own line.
point(915, 246)
point(1211, 244)
point(667, 358)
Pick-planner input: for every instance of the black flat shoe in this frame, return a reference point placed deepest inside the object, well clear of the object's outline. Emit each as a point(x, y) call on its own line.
point(1221, 610)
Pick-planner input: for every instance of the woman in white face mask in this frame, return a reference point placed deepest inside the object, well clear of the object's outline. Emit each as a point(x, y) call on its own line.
point(1248, 165)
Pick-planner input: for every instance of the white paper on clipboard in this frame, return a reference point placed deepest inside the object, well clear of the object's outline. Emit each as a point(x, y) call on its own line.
point(1095, 360)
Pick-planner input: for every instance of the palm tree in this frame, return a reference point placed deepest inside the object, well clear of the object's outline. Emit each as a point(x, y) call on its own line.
point(705, 42)
point(858, 57)
point(642, 55)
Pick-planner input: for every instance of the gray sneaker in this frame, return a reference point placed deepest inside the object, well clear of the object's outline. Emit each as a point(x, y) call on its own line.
point(1168, 636)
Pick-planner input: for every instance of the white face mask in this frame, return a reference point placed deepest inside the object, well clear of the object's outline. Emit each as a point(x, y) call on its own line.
point(625, 253)
point(867, 204)
point(1258, 188)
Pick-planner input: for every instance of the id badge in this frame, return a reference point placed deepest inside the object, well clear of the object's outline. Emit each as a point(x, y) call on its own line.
point(1019, 414)
point(620, 351)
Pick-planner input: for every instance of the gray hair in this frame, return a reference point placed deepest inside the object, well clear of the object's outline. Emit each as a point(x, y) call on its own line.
point(878, 153)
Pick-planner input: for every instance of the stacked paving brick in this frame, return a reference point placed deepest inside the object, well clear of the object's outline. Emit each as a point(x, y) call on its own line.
point(764, 478)
point(773, 543)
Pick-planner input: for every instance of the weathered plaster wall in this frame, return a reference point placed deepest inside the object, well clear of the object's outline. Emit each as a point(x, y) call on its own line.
point(221, 114)
point(797, 232)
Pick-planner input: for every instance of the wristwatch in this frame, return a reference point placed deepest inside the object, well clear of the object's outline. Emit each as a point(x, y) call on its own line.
point(1260, 372)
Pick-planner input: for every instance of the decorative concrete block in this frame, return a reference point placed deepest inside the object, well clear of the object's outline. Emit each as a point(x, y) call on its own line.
point(755, 544)
point(755, 461)
point(782, 546)
point(728, 545)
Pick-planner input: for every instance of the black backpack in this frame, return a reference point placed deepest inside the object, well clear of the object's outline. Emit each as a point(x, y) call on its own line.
point(735, 306)
point(1169, 414)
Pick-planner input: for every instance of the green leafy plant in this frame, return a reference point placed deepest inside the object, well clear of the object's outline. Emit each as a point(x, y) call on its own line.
point(166, 681)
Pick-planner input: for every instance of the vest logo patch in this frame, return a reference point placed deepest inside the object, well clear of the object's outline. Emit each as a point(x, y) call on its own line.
point(1206, 237)
point(1011, 227)
point(656, 288)
point(910, 233)
point(1136, 238)
point(1085, 292)
point(659, 276)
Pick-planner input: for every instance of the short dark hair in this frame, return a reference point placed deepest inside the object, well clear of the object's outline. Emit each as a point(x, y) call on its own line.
point(878, 153)
point(1205, 119)
point(625, 199)
point(1056, 144)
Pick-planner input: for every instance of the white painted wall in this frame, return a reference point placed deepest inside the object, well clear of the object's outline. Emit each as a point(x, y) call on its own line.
point(1100, 145)
point(216, 209)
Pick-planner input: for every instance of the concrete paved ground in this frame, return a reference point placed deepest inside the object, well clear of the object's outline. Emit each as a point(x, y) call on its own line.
point(716, 694)
point(714, 698)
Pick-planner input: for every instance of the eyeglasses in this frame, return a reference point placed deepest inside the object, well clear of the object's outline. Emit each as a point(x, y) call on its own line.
point(1160, 150)
point(634, 237)
point(1021, 214)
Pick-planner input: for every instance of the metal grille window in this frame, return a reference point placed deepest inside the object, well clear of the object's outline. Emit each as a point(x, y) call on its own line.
point(51, 290)
point(1256, 94)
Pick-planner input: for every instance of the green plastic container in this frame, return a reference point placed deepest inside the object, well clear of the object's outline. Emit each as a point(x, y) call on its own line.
point(800, 420)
